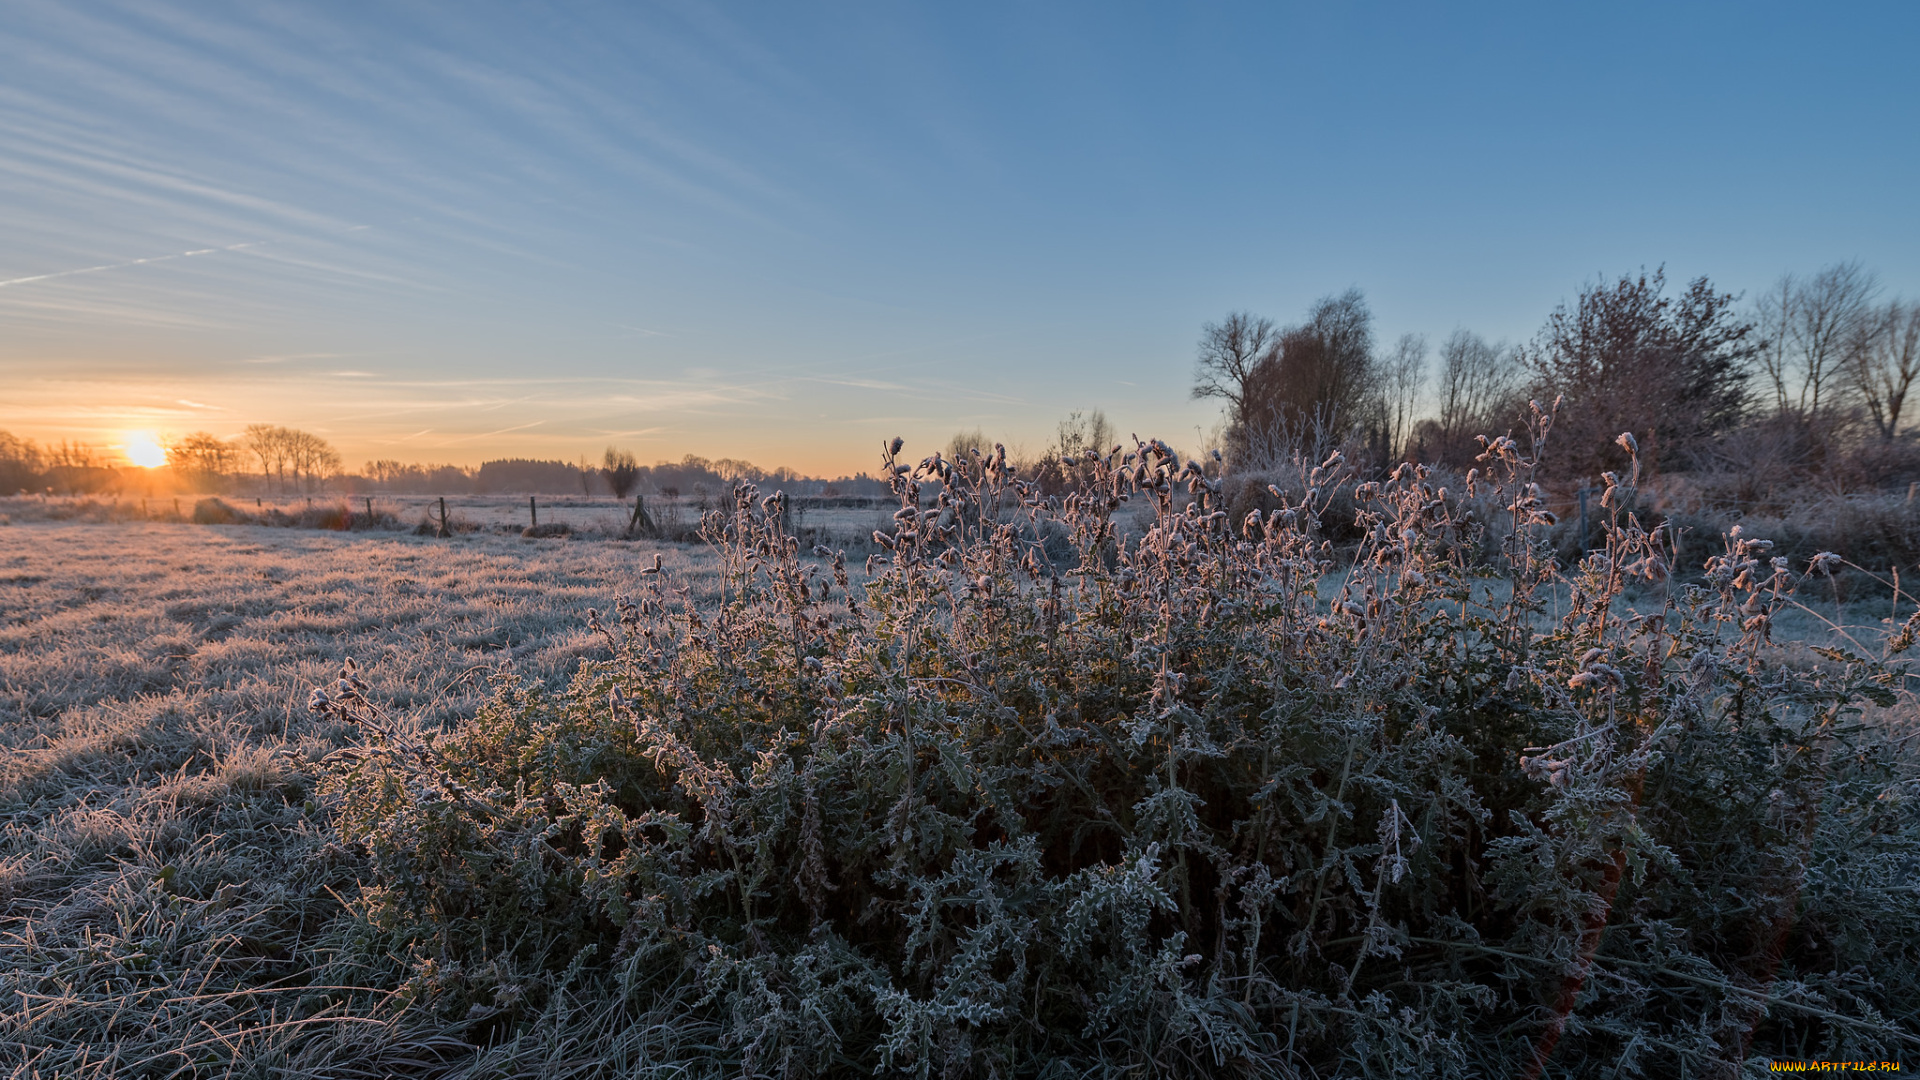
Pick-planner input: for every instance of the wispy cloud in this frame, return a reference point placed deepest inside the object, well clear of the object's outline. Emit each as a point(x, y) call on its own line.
point(856, 383)
point(485, 435)
point(123, 265)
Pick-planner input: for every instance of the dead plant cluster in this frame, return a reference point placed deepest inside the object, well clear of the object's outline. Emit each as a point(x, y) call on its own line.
point(1179, 803)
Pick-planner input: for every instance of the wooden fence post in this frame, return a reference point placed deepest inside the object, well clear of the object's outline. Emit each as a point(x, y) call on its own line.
point(640, 519)
point(533, 511)
point(444, 531)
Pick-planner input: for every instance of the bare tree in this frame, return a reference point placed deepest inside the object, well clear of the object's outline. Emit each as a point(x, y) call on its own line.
point(202, 459)
point(1328, 362)
point(1628, 357)
point(73, 455)
point(20, 463)
point(622, 471)
point(77, 468)
point(1476, 378)
point(310, 458)
point(1276, 440)
point(267, 445)
point(1082, 434)
point(1813, 328)
point(1230, 352)
point(964, 443)
point(1886, 360)
point(290, 456)
point(1067, 463)
point(1402, 374)
point(1323, 377)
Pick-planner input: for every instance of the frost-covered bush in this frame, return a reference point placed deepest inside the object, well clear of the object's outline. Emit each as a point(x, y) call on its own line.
point(1173, 806)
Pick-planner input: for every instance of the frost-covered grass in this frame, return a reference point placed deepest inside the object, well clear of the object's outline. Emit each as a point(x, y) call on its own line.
point(841, 521)
point(161, 860)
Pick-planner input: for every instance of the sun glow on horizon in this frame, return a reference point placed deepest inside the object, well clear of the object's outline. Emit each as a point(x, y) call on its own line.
point(144, 450)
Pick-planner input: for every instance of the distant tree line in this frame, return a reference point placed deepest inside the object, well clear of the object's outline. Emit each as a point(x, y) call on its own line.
point(1812, 377)
point(272, 460)
point(65, 467)
point(619, 474)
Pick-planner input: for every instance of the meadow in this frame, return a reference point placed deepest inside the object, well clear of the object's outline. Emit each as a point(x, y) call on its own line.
point(1103, 786)
point(160, 753)
point(844, 522)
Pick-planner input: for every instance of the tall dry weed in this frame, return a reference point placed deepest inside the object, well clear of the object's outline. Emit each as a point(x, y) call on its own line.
point(1167, 805)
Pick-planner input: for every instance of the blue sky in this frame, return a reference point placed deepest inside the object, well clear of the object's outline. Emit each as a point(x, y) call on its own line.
point(783, 232)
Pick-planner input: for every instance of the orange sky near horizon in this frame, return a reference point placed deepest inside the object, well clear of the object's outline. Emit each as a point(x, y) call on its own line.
point(427, 420)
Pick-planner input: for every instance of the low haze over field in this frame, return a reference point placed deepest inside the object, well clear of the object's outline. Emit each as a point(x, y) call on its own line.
point(780, 233)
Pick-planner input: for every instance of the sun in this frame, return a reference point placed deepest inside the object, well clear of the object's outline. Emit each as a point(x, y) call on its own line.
point(144, 450)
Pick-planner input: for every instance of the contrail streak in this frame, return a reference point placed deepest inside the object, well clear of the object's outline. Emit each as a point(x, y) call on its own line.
point(488, 434)
point(123, 265)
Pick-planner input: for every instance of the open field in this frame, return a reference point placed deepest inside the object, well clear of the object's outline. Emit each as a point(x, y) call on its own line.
point(153, 687)
point(845, 522)
point(840, 522)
